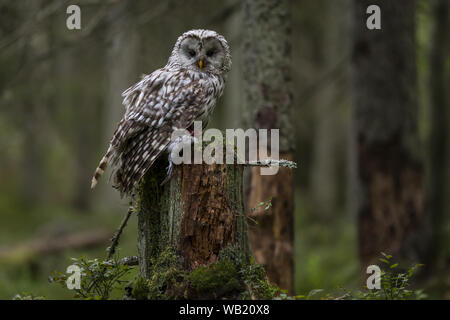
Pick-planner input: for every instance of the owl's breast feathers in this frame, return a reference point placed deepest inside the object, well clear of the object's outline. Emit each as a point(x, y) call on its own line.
point(159, 104)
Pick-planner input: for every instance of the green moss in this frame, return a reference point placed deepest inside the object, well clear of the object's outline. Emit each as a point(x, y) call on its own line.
point(166, 281)
point(230, 277)
point(216, 280)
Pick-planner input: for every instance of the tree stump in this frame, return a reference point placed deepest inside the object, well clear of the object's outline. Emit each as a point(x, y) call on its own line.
point(193, 240)
point(198, 212)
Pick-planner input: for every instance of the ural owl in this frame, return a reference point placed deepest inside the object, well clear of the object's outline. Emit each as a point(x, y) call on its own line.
point(171, 98)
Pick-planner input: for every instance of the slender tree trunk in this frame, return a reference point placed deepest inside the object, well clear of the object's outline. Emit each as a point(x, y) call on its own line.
point(31, 115)
point(438, 185)
point(233, 94)
point(326, 174)
point(267, 102)
point(390, 174)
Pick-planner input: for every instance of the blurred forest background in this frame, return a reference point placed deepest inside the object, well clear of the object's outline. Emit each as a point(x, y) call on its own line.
point(60, 100)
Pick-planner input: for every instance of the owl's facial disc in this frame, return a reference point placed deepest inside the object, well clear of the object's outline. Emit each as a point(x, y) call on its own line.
point(204, 55)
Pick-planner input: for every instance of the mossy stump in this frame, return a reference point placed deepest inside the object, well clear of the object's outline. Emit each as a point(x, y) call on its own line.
point(191, 230)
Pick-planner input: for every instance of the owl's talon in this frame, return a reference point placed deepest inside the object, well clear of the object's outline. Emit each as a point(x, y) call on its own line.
point(169, 171)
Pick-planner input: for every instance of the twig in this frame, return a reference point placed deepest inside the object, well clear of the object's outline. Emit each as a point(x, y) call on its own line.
point(129, 261)
point(343, 297)
point(115, 239)
point(272, 163)
point(250, 291)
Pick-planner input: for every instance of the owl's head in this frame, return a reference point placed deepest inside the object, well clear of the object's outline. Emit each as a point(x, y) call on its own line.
point(201, 51)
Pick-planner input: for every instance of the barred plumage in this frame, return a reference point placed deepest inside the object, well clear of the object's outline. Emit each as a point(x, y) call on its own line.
point(171, 98)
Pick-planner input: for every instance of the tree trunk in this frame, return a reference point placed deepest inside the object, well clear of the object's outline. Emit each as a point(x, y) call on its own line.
point(267, 54)
point(438, 185)
point(329, 139)
point(390, 174)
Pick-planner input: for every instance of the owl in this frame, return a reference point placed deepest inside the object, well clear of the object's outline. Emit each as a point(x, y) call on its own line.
point(169, 99)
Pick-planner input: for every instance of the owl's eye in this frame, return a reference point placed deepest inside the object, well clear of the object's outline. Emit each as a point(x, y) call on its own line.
point(191, 52)
point(210, 52)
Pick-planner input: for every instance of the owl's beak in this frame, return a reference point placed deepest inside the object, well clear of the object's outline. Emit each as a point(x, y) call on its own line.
point(200, 63)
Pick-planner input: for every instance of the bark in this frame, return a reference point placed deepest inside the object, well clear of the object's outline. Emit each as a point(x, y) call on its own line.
point(389, 167)
point(267, 102)
point(199, 212)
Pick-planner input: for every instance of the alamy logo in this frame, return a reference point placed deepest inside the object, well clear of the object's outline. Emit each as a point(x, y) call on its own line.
point(236, 150)
point(74, 280)
point(73, 21)
point(373, 281)
point(374, 20)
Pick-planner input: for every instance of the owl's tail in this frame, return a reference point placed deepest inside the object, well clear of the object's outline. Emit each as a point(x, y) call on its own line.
point(101, 167)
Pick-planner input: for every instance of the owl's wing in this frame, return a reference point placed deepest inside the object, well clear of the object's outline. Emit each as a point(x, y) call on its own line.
point(158, 106)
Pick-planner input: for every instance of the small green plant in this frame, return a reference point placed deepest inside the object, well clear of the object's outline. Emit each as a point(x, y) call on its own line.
point(98, 277)
point(258, 286)
point(167, 278)
point(395, 284)
point(266, 204)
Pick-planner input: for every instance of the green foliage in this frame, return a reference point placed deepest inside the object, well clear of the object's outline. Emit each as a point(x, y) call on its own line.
point(395, 284)
point(167, 280)
point(27, 296)
point(266, 204)
point(258, 286)
point(98, 278)
point(310, 296)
